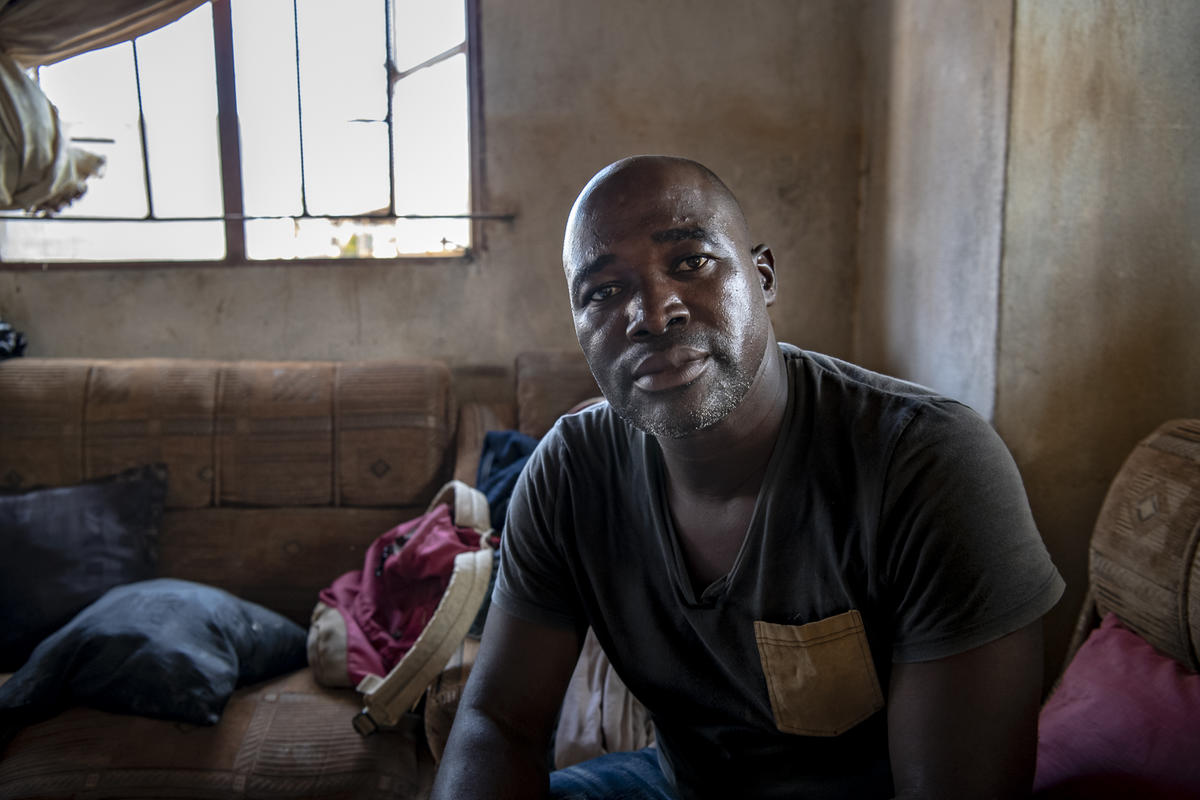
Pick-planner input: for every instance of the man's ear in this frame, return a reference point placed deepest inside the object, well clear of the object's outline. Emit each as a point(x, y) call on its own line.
point(764, 262)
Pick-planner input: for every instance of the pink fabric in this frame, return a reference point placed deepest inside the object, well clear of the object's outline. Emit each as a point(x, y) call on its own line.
point(1123, 723)
point(385, 613)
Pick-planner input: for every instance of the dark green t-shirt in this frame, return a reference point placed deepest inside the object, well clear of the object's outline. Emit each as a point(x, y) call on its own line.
point(892, 525)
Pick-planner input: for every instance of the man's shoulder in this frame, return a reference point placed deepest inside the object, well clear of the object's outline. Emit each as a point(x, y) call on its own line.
point(595, 421)
point(593, 434)
point(825, 368)
point(588, 460)
point(874, 407)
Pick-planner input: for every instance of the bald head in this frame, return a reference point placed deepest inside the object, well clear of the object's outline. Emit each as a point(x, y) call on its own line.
point(669, 295)
point(619, 192)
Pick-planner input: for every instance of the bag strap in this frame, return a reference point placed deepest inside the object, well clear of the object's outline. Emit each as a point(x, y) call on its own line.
point(468, 506)
point(386, 699)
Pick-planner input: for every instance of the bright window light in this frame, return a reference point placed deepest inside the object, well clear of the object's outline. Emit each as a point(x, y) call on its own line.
point(326, 171)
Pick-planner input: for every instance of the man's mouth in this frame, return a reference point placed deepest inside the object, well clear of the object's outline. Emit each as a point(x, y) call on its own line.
point(670, 369)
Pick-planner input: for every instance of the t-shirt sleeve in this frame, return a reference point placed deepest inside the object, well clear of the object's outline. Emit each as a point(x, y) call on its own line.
point(534, 579)
point(966, 563)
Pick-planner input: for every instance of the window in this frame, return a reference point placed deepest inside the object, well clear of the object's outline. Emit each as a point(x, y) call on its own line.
point(256, 130)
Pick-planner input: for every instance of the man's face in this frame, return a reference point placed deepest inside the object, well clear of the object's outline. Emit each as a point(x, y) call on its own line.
point(669, 300)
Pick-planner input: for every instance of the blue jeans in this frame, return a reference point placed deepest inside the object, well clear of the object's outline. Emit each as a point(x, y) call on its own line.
point(616, 776)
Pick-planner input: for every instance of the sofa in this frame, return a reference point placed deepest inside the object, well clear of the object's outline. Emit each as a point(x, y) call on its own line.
point(278, 475)
point(1123, 717)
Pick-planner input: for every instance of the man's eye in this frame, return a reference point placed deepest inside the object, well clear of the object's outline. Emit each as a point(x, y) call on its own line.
point(692, 263)
point(601, 294)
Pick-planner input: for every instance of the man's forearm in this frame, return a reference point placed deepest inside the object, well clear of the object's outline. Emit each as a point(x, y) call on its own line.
point(486, 759)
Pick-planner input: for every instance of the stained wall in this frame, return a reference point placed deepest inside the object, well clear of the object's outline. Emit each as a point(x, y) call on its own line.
point(935, 109)
point(1099, 335)
point(1030, 237)
point(765, 92)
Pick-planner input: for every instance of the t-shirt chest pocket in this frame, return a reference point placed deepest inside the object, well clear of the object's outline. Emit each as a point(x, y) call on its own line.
point(820, 676)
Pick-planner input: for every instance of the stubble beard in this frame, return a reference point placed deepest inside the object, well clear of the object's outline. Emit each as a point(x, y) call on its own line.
point(670, 418)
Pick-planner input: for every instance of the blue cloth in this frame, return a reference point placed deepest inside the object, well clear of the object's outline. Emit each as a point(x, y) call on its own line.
point(500, 463)
point(616, 776)
point(501, 460)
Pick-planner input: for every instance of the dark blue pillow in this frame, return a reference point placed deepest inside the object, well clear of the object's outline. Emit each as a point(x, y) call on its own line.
point(162, 648)
point(65, 546)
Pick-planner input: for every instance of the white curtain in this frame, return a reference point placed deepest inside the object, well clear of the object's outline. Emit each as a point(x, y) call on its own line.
point(39, 170)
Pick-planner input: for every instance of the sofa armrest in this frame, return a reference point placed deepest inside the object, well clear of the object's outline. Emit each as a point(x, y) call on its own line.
point(1144, 556)
point(1088, 620)
point(474, 421)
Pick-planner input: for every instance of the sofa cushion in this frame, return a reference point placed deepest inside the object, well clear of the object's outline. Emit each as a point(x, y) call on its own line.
point(153, 410)
point(395, 431)
point(370, 433)
point(65, 546)
point(285, 738)
point(163, 648)
point(1121, 723)
point(373, 433)
point(41, 429)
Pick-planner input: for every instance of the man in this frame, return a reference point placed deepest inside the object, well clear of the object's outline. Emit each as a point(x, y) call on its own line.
point(820, 581)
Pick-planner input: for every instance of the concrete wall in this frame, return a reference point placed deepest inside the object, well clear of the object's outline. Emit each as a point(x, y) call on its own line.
point(765, 92)
point(1099, 326)
point(935, 106)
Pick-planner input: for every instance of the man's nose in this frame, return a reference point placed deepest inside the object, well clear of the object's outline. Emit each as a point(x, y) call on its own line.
point(654, 309)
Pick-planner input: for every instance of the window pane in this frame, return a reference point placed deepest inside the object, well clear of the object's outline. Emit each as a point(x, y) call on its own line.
point(179, 97)
point(417, 236)
point(432, 152)
point(324, 238)
point(342, 109)
point(345, 168)
point(58, 240)
point(264, 49)
point(96, 95)
point(343, 85)
point(97, 102)
point(424, 28)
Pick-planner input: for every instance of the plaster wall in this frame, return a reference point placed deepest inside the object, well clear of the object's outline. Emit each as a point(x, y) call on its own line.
point(765, 92)
point(935, 109)
point(1099, 339)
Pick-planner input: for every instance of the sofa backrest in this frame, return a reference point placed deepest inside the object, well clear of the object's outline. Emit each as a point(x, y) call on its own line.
point(280, 473)
point(237, 433)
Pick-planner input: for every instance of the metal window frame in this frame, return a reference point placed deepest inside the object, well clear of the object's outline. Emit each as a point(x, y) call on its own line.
point(234, 217)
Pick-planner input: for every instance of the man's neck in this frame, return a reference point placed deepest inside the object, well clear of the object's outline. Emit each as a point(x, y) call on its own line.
point(729, 460)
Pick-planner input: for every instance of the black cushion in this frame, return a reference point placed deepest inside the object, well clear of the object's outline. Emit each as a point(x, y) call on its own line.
point(163, 648)
point(65, 546)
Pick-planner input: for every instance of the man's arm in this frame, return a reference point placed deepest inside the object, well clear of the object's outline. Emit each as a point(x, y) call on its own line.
point(497, 747)
point(965, 726)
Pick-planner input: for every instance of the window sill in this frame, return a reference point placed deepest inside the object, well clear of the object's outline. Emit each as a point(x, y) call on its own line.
point(424, 260)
